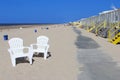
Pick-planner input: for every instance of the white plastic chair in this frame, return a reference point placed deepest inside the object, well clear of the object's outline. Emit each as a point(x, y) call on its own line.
point(41, 46)
point(16, 50)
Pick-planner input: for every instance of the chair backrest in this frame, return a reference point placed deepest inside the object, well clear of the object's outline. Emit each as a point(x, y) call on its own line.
point(16, 43)
point(42, 40)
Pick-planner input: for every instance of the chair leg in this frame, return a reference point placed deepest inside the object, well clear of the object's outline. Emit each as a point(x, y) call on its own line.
point(30, 60)
point(45, 55)
point(13, 62)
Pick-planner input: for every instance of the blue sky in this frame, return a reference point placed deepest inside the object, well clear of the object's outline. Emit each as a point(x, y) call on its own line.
point(51, 11)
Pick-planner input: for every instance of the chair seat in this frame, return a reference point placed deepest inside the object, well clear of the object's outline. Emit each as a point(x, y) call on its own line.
point(38, 50)
point(21, 55)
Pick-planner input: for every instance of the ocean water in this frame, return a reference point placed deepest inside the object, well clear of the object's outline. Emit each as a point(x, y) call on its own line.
point(15, 25)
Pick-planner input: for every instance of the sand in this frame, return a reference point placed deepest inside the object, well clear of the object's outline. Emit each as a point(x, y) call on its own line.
point(61, 65)
point(66, 49)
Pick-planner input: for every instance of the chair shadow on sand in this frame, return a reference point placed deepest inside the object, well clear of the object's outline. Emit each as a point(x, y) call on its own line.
point(25, 59)
point(41, 55)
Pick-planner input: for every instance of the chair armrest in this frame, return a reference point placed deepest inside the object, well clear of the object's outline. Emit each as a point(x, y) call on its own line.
point(24, 49)
point(10, 51)
point(47, 47)
point(35, 46)
point(20, 48)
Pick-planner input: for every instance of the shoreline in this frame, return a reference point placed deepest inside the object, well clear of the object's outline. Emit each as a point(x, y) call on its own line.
point(16, 26)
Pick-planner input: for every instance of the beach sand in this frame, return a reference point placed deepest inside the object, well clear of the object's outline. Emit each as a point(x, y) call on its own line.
point(64, 62)
point(61, 65)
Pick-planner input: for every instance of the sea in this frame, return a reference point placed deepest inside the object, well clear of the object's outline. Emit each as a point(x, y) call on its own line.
point(17, 25)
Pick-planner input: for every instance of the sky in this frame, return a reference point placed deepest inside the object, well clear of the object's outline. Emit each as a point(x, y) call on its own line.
point(51, 11)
